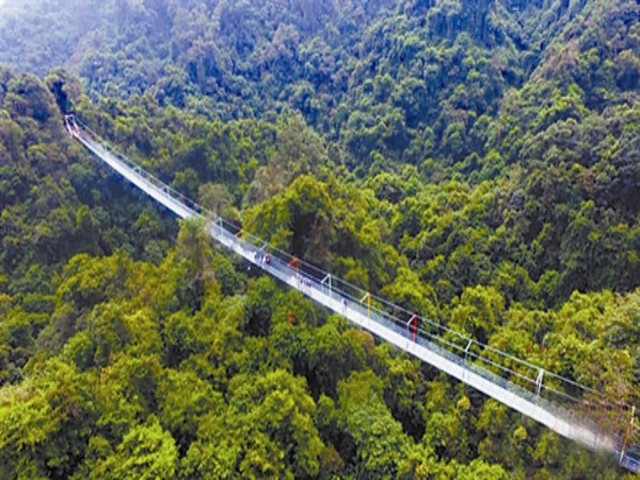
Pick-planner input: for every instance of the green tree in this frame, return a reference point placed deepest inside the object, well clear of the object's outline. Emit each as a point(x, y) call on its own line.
point(378, 437)
point(146, 451)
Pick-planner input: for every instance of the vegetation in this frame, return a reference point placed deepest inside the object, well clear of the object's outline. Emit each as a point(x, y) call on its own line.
point(473, 160)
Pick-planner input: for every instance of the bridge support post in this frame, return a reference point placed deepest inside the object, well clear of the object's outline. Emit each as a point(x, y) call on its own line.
point(327, 281)
point(539, 381)
point(623, 450)
point(367, 297)
point(412, 326)
point(466, 349)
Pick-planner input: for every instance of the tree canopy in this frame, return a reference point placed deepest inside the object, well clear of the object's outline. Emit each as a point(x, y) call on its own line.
point(475, 161)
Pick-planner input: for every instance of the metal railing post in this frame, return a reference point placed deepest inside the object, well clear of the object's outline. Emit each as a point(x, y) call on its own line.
point(539, 381)
point(466, 350)
point(327, 282)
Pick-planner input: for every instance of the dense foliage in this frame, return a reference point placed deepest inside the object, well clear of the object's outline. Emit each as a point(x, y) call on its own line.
point(473, 160)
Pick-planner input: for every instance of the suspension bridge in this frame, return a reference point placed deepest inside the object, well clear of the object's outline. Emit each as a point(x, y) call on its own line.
point(564, 406)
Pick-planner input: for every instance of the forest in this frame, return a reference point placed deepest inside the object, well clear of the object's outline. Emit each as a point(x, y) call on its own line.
point(477, 161)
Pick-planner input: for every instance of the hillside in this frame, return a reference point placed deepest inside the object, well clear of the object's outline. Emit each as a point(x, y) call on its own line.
point(472, 160)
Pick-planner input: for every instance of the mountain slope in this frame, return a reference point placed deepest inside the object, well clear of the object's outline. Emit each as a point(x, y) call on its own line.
point(473, 161)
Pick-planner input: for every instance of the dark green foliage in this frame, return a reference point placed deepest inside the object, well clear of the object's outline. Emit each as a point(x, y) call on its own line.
point(474, 161)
